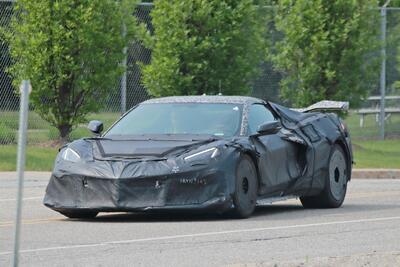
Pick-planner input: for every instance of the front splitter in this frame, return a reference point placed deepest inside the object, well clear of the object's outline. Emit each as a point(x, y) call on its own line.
point(218, 204)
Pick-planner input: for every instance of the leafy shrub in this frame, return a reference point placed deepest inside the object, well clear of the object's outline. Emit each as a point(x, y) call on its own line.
point(71, 51)
point(204, 47)
point(53, 133)
point(327, 52)
point(7, 135)
point(79, 133)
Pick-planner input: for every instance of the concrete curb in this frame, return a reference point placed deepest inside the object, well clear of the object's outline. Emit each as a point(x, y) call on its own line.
point(376, 173)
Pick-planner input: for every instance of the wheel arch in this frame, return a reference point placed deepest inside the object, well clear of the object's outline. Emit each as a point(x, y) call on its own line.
point(343, 145)
point(253, 157)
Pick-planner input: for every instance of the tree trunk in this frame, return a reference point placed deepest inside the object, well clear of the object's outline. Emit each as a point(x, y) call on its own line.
point(64, 131)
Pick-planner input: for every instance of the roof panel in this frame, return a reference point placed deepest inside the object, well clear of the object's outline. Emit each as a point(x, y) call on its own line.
point(205, 99)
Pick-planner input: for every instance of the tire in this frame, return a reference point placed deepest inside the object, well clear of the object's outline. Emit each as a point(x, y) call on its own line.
point(335, 189)
point(79, 214)
point(246, 188)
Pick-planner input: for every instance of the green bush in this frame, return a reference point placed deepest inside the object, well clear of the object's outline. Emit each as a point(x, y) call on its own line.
point(327, 52)
point(204, 47)
point(53, 133)
point(79, 133)
point(36, 122)
point(76, 133)
point(9, 119)
point(71, 51)
point(7, 135)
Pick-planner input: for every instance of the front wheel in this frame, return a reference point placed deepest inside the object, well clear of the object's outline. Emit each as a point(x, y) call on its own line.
point(246, 182)
point(335, 184)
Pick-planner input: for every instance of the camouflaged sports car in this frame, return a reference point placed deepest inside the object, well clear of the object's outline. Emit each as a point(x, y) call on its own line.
point(214, 153)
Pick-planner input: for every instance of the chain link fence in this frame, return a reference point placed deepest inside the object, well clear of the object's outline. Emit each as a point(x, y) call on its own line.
point(368, 126)
point(123, 96)
point(129, 90)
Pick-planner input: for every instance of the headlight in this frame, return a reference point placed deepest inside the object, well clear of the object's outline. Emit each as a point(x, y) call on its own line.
point(70, 155)
point(205, 154)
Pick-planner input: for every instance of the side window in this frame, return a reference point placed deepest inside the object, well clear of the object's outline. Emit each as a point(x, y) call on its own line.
point(258, 114)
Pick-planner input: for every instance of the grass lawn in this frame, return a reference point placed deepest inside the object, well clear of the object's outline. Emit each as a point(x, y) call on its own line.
point(367, 154)
point(37, 158)
point(40, 131)
point(377, 154)
point(371, 128)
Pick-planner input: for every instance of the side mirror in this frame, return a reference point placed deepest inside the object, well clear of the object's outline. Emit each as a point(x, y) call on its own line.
point(95, 127)
point(271, 127)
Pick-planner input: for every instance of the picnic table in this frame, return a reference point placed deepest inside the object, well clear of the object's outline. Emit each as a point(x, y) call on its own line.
point(376, 109)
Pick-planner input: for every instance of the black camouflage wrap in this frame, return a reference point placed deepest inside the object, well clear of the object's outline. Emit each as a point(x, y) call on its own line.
point(143, 173)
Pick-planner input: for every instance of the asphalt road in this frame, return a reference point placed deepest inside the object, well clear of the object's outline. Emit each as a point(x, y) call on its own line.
point(364, 232)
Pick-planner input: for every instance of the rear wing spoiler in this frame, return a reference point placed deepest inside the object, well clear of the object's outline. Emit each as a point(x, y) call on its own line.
point(326, 105)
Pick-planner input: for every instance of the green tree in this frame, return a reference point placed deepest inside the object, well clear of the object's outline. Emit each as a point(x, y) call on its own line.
point(8, 98)
point(71, 51)
point(203, 46)
point(391, 3)
point(392, 47)
point(329, 49)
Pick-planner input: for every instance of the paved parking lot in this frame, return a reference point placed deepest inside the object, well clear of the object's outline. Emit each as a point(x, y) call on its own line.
point(366, 230)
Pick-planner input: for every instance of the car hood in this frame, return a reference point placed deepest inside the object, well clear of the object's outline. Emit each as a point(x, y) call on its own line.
point(148, 146)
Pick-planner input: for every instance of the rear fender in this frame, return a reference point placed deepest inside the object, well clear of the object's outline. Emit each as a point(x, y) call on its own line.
point(349, 154)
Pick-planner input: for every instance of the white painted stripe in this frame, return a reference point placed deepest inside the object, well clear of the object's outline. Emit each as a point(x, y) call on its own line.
point(160, 238)
point(13, 199)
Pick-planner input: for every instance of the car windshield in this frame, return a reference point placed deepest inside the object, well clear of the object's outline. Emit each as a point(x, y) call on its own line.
point(180, 118)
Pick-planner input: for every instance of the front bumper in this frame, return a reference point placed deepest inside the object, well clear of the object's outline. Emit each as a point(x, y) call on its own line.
point(198, 190)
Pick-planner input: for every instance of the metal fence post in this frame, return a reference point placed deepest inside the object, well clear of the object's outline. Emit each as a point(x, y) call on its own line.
point(383, 72)
point(123, 79)
point(23, 125)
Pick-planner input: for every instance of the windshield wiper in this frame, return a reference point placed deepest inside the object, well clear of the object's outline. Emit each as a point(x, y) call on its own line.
point(97, 138)
point(119, 157)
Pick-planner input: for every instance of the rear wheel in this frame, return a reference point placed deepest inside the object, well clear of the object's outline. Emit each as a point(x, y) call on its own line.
point(245, 196)
point(79, 214)
point(335, 184)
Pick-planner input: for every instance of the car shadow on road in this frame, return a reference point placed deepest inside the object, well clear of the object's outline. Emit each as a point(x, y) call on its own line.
point(132, 217)
point(174, 216)
point(267, 212)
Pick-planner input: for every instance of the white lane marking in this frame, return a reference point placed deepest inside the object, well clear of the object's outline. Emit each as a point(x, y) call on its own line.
point(160, 238)
point(13, 199)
